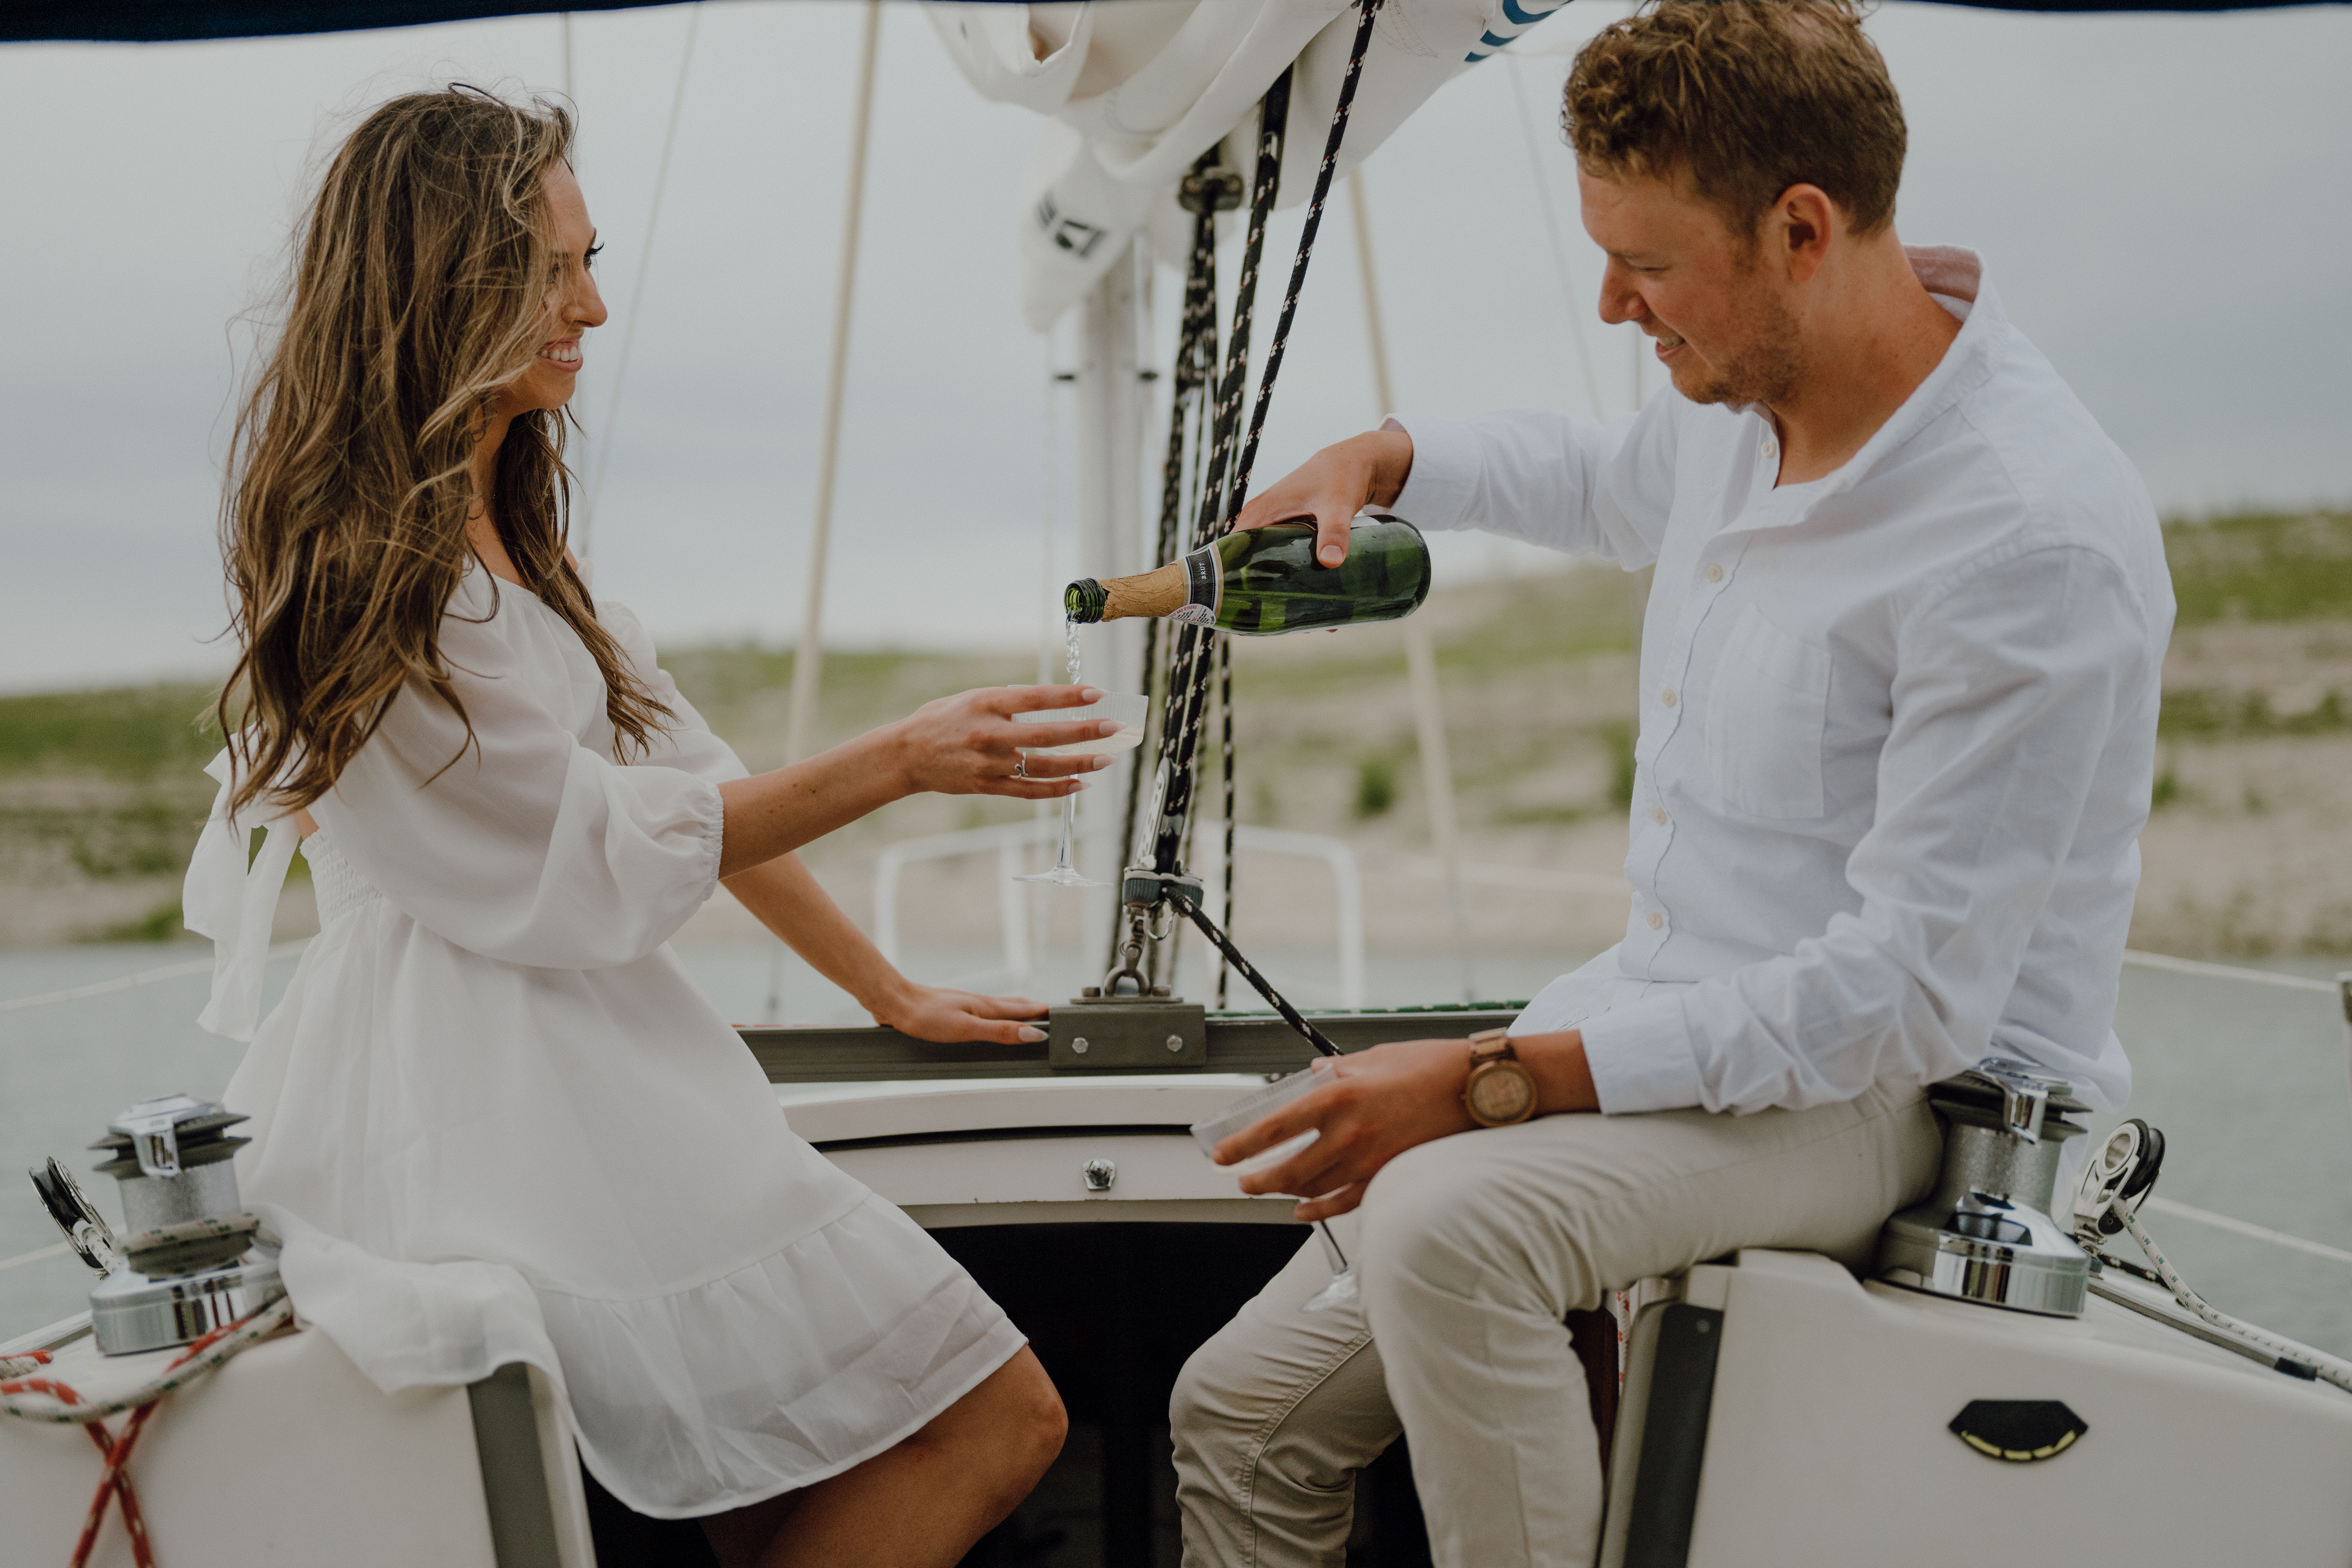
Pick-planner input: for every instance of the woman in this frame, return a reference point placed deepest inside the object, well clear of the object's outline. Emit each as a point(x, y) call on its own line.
point(493, 1119)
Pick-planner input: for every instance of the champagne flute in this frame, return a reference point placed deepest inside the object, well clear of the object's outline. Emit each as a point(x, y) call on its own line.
point(1340, 1288)
point(1129, 710)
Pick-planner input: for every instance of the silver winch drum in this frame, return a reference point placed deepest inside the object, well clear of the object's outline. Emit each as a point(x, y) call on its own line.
point(190, 1263)
point(1986, 1234)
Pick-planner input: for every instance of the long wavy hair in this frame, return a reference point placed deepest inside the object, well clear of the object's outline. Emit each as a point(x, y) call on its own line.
point(419, 289)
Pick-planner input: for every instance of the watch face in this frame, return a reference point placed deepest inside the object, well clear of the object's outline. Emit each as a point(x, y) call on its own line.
point(1499, 1094)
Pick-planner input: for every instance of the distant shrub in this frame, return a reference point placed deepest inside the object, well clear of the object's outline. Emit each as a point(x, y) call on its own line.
point(2261, 567)
point(161, 923)
point(1376, 786)
point(1618, 737)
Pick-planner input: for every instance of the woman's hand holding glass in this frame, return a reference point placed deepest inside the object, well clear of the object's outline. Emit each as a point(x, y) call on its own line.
point(969, 744)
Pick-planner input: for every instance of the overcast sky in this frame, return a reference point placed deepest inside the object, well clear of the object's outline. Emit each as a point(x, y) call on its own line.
point(2160, 199)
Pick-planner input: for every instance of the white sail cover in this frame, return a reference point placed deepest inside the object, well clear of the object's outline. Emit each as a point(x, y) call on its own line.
point(1135, 91)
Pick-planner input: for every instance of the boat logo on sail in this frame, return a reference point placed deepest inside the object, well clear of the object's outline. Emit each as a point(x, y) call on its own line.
point(1070, 234)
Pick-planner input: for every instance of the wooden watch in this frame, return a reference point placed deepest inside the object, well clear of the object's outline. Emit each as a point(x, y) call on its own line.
point(1500, 1091)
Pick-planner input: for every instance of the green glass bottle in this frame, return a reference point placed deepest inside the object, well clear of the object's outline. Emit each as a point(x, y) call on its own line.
point(1268, 581)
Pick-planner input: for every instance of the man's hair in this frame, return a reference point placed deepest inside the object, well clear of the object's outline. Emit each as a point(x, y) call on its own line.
point(1746, 98)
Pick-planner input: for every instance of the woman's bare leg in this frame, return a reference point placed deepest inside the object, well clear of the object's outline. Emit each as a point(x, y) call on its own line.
point(922, 1504)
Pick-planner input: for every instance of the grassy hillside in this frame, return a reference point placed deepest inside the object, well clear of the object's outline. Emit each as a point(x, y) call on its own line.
point(135, 734)
point(101, 792)
point(2261, 566)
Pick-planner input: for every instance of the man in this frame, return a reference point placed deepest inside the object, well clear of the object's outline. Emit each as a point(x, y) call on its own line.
point(1899, 682)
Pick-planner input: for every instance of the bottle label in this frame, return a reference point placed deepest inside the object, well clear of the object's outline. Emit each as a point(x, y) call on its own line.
point(1204, 582)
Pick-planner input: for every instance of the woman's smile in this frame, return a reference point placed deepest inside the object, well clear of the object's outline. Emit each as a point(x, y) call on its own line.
point(563, 355)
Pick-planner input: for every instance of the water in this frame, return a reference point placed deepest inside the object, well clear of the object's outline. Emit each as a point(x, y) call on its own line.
point(2248, 1081)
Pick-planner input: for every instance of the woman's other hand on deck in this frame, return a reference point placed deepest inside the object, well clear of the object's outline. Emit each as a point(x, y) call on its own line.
point(968, 745)
point(947, 1017)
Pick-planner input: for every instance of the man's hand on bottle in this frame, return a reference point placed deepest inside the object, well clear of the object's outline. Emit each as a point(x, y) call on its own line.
point(969, 743)
point(1332, 486)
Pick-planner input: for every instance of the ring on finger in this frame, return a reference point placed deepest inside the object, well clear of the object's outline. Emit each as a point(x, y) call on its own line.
point(1020, 768)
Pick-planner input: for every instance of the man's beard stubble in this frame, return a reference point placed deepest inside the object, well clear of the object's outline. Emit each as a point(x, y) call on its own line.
point(1767, 370)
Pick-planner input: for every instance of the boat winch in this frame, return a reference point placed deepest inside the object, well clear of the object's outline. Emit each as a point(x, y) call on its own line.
point(1986, 1234)
point(188, 1261)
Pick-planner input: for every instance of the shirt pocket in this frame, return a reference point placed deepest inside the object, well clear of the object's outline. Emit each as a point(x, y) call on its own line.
point(1766, 717)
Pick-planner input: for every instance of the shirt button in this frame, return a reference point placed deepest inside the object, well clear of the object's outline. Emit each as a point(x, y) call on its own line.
point(1667, 697)
point(1658, 815)
point(1714, 572)
point(1657, 921)
point(1768, 447)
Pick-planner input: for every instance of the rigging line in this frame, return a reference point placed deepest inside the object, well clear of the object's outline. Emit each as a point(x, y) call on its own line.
point(1204, 193)
point(55, 1249)
point(2138, 960)
point(1551, 233)
point(1239, 489)
point(1175, 815)
point(1274, 120)
point(1182, 770)
point(133, 982)
point(1185, 378)
point(1331, 144)
point(644, 265)
point(2246, 1228)
point(1225, 778)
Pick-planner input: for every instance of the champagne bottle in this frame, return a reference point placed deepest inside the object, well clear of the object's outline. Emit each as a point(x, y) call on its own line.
point(1267, 580)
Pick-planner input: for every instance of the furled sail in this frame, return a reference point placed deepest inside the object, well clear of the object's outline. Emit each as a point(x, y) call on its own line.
point(1135, 91)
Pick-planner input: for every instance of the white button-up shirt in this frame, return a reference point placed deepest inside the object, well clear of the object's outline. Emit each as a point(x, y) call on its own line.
point(1898, 733)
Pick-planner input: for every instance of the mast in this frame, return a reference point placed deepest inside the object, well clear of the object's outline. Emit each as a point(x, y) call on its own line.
point(808, 657)
point(1112, 409)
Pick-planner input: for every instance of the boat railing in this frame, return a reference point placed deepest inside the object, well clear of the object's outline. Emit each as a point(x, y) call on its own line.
point(1006, 841)
point(1253, 1042)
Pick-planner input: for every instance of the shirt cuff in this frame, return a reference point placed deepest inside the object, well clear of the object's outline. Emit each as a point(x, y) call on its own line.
point(1437, 493)
point(1639, 1057)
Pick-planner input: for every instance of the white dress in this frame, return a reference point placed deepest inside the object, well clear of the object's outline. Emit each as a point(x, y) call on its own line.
point(494, 1120)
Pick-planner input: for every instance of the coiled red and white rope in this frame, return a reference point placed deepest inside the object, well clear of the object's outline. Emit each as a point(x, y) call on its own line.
point(46, 1399)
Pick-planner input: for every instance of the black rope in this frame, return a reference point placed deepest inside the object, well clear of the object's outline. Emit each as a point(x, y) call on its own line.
point(1225, 768)
point(1194, 659)
point(1205, 191)
point(1258, 982)
point(1240, 492)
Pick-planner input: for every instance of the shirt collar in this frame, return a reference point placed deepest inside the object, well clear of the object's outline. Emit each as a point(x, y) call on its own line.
point(1956, 277)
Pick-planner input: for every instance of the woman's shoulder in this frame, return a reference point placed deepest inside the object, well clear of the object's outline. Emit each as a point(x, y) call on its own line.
point(485, 629)
point(478, 594)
